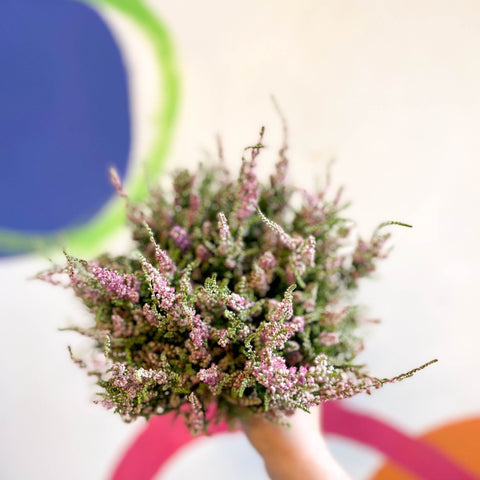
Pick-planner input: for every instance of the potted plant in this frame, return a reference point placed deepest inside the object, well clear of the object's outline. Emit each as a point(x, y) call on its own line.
point(236, 305)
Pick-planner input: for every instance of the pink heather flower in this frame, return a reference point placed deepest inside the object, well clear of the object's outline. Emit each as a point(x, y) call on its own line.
point(273, 373)
point(267, 261)
point(119, 374)
point(297, 324)
point(119, 326)
point(223, 228)
point(329, 338)
point(298, 297)
point(276, 331)
point(199, 332)
point(149, 314)
point(338, 196)
point(273, 303)
point(132, 381)
point(309, 305)
point(202, 253)
point(230, 263)
point(165, 264)
point(284, 311)
point(224, 233)
point(118, 285)
point(51, 277)
point(223, 341)
point(194, 203)
point(160, 286)
point(159, 376)
point(99, 361)
point(249, 189)
point(211, 376)
point(281, 168)
point(180, 236)
point(308, 251)
point(182, 314)
point(238, 303)
point(258, 280)
point(195, 418)
point(290, 242)
point(274, 334)
point(332, 318)
point(116, 182)
point(107, 403)
point(200, 356)
point(244, 332)
point(296, 265)
point(313, 211)
point(333, 264)
point(207, 228)
point(362, 246)
point(248, 195)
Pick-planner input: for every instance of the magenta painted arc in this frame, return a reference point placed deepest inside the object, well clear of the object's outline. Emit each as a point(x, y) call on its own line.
point(413, 454)
point(163, 436)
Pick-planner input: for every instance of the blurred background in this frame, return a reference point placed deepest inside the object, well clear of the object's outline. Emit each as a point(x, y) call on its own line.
point(389, 90)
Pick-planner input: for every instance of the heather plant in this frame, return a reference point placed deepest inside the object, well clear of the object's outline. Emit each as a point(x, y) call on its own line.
point(235, 301)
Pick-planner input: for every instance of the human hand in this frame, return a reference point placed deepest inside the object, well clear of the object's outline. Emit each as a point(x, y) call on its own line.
point(298, 452)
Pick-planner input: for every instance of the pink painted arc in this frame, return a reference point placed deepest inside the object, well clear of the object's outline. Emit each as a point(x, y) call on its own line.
point(415, 455)
point(164, 435)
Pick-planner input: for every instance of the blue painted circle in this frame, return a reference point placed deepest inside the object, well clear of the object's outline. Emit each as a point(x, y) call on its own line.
point(64, 114)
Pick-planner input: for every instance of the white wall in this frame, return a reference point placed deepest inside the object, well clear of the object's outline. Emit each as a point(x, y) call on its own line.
point(389, 89)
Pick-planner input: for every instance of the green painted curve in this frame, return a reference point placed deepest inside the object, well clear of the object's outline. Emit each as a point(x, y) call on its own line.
point(87, 239)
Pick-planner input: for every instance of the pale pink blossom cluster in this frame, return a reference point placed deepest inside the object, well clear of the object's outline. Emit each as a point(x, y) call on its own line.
point(199, 332)
point(248, 192)
point(329, 338)
point(165, 265)
point(258, 280)
point(133, 381)
point(238, 303)
point(180, 236)
point(249, 188)
point(289, 241)
point(195, 415)
point(118, 285)
point(159, 284)
point(212, 376)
